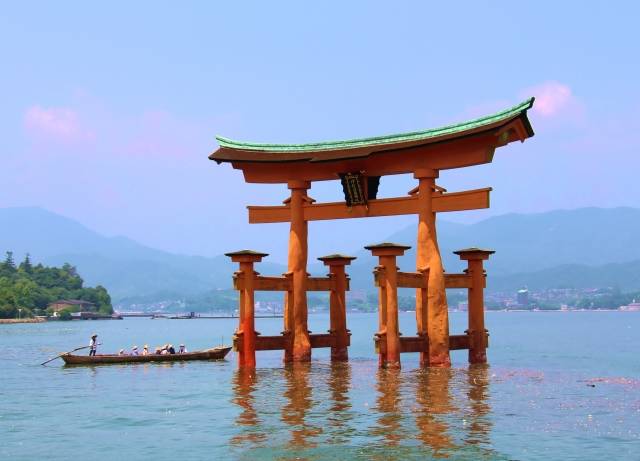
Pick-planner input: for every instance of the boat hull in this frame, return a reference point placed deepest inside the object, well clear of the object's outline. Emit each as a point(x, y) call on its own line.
point(216, 353)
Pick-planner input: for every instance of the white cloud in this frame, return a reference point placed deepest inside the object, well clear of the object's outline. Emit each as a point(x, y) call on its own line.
point(56, 123)
point(554, 99)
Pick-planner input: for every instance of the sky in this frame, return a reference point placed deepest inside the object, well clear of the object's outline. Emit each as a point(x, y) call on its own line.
point(109, 110)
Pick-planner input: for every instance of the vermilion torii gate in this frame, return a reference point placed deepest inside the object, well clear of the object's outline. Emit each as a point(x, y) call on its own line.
point(360, 164)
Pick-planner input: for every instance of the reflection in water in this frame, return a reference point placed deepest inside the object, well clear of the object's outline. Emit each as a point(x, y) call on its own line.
point(298, 397)
point(480, 425)
point(433, 399)
point(437, 413)
point(244, 386)
point(340, 409)
point(388, 405)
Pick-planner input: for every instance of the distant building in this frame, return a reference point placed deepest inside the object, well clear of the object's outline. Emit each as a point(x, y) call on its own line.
point(523, 298)
point(75, 304)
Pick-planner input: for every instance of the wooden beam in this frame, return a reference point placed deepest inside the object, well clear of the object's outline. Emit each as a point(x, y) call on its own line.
point(411, 280)
point(453, 201)
point(476, 199)
point(416, 280)
point(404, 279)
point(284, 283)
point(458, 342)
point(265, 283)
point(271, 343)
point(459, 281)
point(419, 343)
point(279, 342)
point(322, 340)
point(320, 284)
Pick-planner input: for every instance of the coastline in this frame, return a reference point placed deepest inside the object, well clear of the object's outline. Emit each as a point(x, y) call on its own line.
point(11, 321)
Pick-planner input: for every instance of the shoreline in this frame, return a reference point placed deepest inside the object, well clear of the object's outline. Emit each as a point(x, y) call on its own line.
point(12, 321)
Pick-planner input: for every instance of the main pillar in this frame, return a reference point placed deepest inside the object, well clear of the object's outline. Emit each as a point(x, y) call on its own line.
point(338, 305)
point(435, 322)
point(297, 308)
point(478, 335)
point(390, 337)
point(246, 332)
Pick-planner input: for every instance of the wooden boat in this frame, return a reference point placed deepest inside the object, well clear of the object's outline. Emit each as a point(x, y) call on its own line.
point(215, 353)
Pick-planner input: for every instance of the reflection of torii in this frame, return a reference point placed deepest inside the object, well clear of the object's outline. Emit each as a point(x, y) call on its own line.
point(423, 154)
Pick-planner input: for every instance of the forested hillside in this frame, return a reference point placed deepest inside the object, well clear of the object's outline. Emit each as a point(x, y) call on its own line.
point(26, 289)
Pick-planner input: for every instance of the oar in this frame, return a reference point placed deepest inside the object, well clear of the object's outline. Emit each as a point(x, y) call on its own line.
point(64, 353)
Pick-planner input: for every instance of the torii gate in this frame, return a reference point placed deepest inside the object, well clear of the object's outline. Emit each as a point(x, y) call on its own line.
point(359, 164)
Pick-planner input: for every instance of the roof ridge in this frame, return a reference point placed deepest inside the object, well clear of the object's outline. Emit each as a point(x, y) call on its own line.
point(384, 139)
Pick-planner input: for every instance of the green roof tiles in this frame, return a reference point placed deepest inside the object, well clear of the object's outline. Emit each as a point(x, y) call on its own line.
point(381, 140)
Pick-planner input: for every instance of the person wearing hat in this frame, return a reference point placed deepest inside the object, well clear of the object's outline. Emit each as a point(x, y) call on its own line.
point(182, 349)
point(134, 350)
point(93, 344)
point(145, 350)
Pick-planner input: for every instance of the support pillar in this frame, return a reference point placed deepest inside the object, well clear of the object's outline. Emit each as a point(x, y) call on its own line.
point(387, 253)
point(288, 320)
point(338, 305)
point(478, 335)
point(434, 323)
point(246, 333)
point(382, 317)
point(297, 265)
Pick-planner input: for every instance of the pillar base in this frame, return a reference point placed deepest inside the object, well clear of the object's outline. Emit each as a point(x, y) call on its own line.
point(302, 350)
point(477, 357)
point(478, 342)
point(340, 355)
point(391, 365)
point(440, 361)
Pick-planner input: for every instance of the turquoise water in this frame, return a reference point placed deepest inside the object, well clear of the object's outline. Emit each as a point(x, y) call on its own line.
point(560, 386)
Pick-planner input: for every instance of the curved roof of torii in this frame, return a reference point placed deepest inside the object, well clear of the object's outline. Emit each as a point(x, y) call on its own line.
point(232, 150)
point(452, 146)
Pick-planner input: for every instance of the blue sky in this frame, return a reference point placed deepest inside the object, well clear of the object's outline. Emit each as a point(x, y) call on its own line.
point(108, 112)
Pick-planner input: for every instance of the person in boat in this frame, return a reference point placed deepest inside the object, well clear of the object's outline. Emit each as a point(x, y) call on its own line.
point(134, 350)
point(158, 351)
point(171, 349)
point(93, 345)
point(182, 349)
point(121, 352)
point(145, 350)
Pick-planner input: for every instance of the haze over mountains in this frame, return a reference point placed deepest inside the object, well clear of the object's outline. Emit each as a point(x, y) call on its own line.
point(588, 247)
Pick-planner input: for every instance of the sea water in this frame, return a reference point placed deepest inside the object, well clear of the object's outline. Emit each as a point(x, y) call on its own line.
point(560, 385)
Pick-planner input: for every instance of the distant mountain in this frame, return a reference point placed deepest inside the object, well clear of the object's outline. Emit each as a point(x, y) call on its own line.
point(125, 267)
point(584, 247)
point(625, 276)
point(529, 243)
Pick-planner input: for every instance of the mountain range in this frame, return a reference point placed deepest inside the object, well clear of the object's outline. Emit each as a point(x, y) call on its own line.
point(588, 247)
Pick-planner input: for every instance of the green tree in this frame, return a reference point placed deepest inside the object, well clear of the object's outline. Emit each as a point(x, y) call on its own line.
point(8, 266)
point(26, 266)
point(31, 288)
